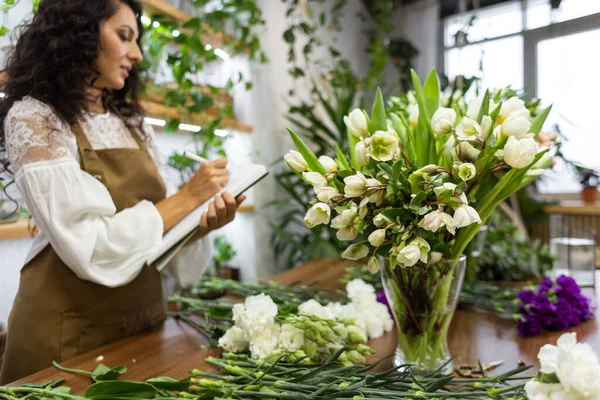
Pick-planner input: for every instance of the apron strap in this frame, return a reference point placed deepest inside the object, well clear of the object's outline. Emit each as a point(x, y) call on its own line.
point(89, 160)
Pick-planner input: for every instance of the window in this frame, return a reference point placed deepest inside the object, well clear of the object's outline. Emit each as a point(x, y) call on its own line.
point(527, 45)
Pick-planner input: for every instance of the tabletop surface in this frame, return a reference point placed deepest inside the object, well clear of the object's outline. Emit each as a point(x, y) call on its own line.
point(174, 348)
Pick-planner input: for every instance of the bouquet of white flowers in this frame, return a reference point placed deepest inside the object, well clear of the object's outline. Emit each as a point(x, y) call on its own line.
point(417, 190)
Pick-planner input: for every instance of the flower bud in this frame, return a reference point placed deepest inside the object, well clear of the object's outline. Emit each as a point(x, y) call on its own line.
point(356, 122)
point(467, 171)
point(328, 163)
point(443, 121)
point(380, 220)
point(317, 215)
point(520, 153)
point(467, 152)
point(356, 334)
point(486, 126)
point(373, 265)
point(377, 237)
point(413, 115)
point(315, 178)
point(295, 161)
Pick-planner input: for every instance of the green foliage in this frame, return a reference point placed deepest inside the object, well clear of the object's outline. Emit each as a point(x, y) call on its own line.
point(224, 251)
point(335, 89)
point(507, 256)
point(187, 54)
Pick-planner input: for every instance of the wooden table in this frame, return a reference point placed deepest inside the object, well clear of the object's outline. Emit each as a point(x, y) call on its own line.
point(175, 348)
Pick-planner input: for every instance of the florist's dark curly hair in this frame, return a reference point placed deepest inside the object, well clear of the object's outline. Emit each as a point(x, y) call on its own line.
point(53, 62)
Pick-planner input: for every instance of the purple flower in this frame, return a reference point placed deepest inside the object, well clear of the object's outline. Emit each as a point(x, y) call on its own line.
point(528, 327)
point(526, 296)
point(545, 286)
point(382, 298)
point(553, 307)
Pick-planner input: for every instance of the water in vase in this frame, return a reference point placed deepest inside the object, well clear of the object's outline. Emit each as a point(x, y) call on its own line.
point(576, 257)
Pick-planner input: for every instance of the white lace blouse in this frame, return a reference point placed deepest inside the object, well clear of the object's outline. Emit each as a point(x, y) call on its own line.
point(74, 211)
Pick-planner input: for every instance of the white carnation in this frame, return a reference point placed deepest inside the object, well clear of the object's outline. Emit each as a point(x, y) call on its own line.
point(260, 310)
point(234, 340)
point(266, 342)
point(312, 307)
point(238, 314)
point(290, 337)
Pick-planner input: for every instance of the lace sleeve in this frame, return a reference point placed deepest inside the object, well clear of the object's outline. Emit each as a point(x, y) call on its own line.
point(34, 133)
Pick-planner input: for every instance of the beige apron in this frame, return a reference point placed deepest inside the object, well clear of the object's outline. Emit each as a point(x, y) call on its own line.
point(57, 316)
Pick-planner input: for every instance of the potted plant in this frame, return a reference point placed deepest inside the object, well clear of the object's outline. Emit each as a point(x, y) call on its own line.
point(589, 179)
point(224, 253)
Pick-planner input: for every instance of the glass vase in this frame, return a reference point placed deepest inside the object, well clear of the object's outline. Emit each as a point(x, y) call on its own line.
point(423, 300)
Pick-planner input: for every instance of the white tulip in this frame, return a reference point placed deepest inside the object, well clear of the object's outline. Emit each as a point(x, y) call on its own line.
point(520, 153)
point(355, 252)
point(475, 105)
point(315, 178)
point(467, 171)
point(512, 107)
point(355, 185)
point(346, 217)
point(443, 121)
point(432, 221)
point(468, 129)
point(295, 161)
point(383, 146)
point(413, 115)
point(317, 215)
point(517, 126)
point(356, 122)
point(362, 154)
point(377, 237)
point(328, 163)
point(486, 126)
point(465, 216)
point(373, 266)
point(326, 193)
point(540, 166)
point(449, 146)
point(409, 255)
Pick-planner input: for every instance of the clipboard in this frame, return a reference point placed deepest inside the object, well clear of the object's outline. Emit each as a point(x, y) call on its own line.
point(239, 181)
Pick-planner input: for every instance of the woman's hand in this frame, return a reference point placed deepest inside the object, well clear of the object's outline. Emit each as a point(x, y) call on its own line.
point(207, 181)
point(221, 211)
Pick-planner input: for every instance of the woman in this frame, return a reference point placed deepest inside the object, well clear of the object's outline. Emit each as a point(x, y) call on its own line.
point(86, 168)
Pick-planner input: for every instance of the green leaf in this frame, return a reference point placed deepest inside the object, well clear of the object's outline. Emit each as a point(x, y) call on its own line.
point(378, 121)
point(309, 156)
point(201, 103)
point(289, 36)
point(416, 201)
point(120, 390)
point(103, 373)
point(431, 91)
point(48, 384)
point(172, 125)
point(296, 72)
point(484, 109)
point(193, 23)
point(494, 114)
point(403, 213)
point(387, 169)
point(538, 122)
point(61, 390)
point(3, 31)
point(341, 159)
point(164, 382)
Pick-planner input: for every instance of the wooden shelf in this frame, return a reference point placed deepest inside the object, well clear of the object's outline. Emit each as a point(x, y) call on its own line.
point(246, 208)
point(157, 93)
point(574, 207)
point(157, 110)
point(16, 230)
point(166, 10)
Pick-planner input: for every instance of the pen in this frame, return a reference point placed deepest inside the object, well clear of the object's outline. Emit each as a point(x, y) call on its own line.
point(194, 157)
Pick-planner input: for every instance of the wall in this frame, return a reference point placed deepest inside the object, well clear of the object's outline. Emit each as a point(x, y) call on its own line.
point(263, 108)
point(420, 23)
